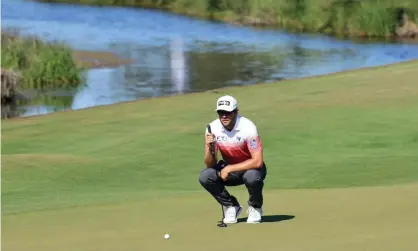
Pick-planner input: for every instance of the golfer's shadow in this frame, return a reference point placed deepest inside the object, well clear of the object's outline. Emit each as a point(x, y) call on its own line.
point(271, 218)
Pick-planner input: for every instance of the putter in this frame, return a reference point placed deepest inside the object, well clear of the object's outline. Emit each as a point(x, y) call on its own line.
point(212, 150)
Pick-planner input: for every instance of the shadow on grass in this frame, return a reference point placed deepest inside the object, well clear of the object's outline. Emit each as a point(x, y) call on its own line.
point(271, 218)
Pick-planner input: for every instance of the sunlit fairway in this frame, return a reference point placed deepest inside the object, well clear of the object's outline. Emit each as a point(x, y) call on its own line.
point(341, 151)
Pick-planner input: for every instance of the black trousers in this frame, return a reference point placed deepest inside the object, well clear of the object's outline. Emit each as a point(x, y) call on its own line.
point(253, 179)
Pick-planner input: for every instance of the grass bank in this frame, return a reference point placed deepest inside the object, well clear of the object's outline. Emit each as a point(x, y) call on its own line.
point(349, 129)
point(372, 18)
point(41, 65)
point(120, 177)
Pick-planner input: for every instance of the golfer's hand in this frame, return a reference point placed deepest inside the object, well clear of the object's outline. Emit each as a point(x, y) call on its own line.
point(209, 138)
point(224, 174)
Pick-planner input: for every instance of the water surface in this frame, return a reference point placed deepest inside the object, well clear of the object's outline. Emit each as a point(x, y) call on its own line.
point(173, 54)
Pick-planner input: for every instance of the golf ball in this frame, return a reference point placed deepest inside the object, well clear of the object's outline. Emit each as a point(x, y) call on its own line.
point(166, 236)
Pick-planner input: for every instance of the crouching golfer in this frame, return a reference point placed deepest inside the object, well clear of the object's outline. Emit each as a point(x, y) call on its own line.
point(237, 139)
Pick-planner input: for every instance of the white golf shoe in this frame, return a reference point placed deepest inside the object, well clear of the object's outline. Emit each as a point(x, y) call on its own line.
point(254, 215)
point(231, 214)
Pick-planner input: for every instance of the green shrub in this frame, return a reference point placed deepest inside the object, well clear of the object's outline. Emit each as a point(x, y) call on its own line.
point(42, 65)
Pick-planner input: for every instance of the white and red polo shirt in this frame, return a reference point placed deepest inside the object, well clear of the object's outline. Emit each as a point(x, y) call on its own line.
point(236, 145)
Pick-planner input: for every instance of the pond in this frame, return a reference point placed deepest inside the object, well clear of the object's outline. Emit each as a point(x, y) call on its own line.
point(173, 55)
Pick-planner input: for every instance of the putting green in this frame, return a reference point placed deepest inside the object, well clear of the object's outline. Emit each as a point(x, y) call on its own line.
point(341, 150)
point(378, 218)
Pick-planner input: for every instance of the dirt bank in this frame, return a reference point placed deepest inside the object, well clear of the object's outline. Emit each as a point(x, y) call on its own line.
point(98, 59)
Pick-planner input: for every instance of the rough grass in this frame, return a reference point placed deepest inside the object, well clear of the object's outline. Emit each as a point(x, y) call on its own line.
point(42, 65)
point(121, 176)
point(372, 18)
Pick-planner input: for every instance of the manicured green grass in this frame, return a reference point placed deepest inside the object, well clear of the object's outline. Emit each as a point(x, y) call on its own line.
point(42, 65)
point(119, 177)
point(349, 129)
point(344, 17)
point(326, 220)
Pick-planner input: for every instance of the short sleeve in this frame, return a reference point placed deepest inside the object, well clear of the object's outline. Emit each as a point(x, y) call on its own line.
point(251, 131)
point(253, 139)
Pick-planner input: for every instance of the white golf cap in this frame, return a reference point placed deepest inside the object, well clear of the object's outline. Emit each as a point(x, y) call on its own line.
point(226, 103)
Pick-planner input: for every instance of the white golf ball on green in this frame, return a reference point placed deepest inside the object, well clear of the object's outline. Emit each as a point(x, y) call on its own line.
point(166, 236)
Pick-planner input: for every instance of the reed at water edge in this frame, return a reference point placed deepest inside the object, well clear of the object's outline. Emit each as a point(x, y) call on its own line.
point(39, 64)
point(364, 18)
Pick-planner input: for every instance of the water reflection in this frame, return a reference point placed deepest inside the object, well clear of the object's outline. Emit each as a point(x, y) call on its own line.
point(103, 88)
point(178, 65)
point(34, 103)
point(172, 54)
point(175, 69)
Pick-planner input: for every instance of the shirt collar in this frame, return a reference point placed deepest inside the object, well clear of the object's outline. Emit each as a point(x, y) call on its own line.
point(237, 126)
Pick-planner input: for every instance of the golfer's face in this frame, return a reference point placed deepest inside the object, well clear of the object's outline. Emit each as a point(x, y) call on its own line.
point(226, 117)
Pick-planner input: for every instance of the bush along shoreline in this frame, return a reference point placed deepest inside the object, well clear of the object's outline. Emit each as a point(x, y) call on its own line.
point(39, 64)
point(341, 18)
point(30, 63)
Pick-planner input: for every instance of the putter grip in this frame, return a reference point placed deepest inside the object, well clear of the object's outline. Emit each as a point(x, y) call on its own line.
point(212, 145)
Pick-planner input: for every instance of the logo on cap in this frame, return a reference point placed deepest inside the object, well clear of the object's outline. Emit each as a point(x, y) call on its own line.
point(224, 102)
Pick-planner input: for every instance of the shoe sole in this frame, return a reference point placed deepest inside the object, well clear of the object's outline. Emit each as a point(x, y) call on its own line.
point(253, 222)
